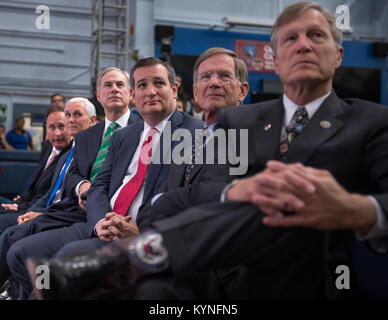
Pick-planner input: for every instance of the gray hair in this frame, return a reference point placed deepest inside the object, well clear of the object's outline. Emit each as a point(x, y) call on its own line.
point(105, 71)
point(240, 67)
point(293, 12)
point(89, 107)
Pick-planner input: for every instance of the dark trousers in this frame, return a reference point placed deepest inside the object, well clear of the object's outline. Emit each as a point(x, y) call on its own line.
point(40, 245)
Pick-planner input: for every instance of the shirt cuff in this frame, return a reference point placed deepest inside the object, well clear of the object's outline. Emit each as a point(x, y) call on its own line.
point(78, 185)
point(156, 197)
point(380, 229)
point(225, 190)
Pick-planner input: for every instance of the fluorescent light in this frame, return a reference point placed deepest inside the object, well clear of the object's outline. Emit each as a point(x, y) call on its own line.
point(247, 22)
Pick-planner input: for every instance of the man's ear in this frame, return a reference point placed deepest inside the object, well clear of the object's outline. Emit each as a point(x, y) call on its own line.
point(174, 88)
point(244, 89)
point(195, 91)
point(98, 96)
point(93, 120)
point(340, 55)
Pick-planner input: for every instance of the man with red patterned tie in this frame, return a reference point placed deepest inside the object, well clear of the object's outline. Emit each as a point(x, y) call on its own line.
point(127, 178)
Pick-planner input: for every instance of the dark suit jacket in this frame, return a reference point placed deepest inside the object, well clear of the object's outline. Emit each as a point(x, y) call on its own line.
point(41, 178)
point(290, 262)
point(121, 151)
point(40, 204)
point(176, 176)
point(67, 211)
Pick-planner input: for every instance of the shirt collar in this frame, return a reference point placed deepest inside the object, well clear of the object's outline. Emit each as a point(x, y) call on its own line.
point(122, 121)
point(160, 126)
point(311, 107)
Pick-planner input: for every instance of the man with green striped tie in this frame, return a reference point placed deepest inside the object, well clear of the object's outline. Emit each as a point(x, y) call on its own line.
point(90, 150)
point(114, 95)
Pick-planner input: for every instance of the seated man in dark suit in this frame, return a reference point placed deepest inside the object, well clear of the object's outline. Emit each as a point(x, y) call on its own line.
point(57, 144)
point(109, 215)
point(80, 114)
point(212, 94)
point(343, 140)
point(114, 94)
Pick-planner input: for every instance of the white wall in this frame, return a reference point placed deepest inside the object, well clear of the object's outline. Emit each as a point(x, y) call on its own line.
point(35, 63)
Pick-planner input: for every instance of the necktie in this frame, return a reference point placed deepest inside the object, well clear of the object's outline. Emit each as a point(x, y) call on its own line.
point(51, 159)
point(297, 124)
point(101, 155)
point(198, 146)
point(129, 191)
point(60, 178)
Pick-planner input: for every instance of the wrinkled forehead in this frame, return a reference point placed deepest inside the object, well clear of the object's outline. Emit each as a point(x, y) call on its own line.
point(150, 73)
point(218, 62)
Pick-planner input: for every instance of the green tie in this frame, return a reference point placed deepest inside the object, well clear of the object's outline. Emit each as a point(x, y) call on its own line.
point(101, 155)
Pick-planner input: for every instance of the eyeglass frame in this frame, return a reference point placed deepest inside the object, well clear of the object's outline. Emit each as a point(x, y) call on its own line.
point(217, 73)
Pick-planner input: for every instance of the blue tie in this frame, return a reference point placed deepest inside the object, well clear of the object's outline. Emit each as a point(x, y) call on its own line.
point(59, 180)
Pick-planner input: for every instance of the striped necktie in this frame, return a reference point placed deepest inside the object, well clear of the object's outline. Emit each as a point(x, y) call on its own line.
point(101, 155)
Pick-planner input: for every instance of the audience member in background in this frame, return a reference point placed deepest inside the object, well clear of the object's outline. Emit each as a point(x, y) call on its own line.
point(19, 138)
point(4, 145)
point(196, 110)
point(3, 141)
point(181, 89)
point(57, 100)
point(180, 104)
point(57, 144)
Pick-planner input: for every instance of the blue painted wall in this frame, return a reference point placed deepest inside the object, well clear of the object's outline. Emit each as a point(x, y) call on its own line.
point(195, 41)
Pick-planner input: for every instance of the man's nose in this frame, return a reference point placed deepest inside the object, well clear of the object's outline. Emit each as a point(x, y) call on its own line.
point(151, 90)
point(215, 80)
point(114, 88)
point(303, 44)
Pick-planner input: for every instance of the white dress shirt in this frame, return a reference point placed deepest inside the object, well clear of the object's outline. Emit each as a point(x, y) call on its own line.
point(132, 169)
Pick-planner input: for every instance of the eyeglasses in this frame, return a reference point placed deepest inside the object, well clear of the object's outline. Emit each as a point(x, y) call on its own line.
point(225, 77)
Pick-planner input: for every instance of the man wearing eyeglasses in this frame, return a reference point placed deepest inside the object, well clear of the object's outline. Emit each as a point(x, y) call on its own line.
point(220, 80)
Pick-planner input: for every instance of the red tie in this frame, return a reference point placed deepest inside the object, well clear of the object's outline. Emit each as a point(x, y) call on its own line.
point(131, 188)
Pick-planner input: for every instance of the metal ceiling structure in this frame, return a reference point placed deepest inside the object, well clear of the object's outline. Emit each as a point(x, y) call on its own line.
point(111, 36)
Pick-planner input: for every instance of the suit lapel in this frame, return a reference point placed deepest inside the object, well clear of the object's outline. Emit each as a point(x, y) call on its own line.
point(316, 132)
point(266, 133)
point(94, 141)
point(177, 171)
point(125, 153)
point(154, 170)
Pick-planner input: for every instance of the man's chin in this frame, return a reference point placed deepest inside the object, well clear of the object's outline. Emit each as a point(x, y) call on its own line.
point(59, 146)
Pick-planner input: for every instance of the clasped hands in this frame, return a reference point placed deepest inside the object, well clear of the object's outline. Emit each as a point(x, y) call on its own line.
point(115, 226)
point(293, 195)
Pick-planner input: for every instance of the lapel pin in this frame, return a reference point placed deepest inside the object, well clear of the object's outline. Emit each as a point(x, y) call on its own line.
point(267, 127)
point(325, 124)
